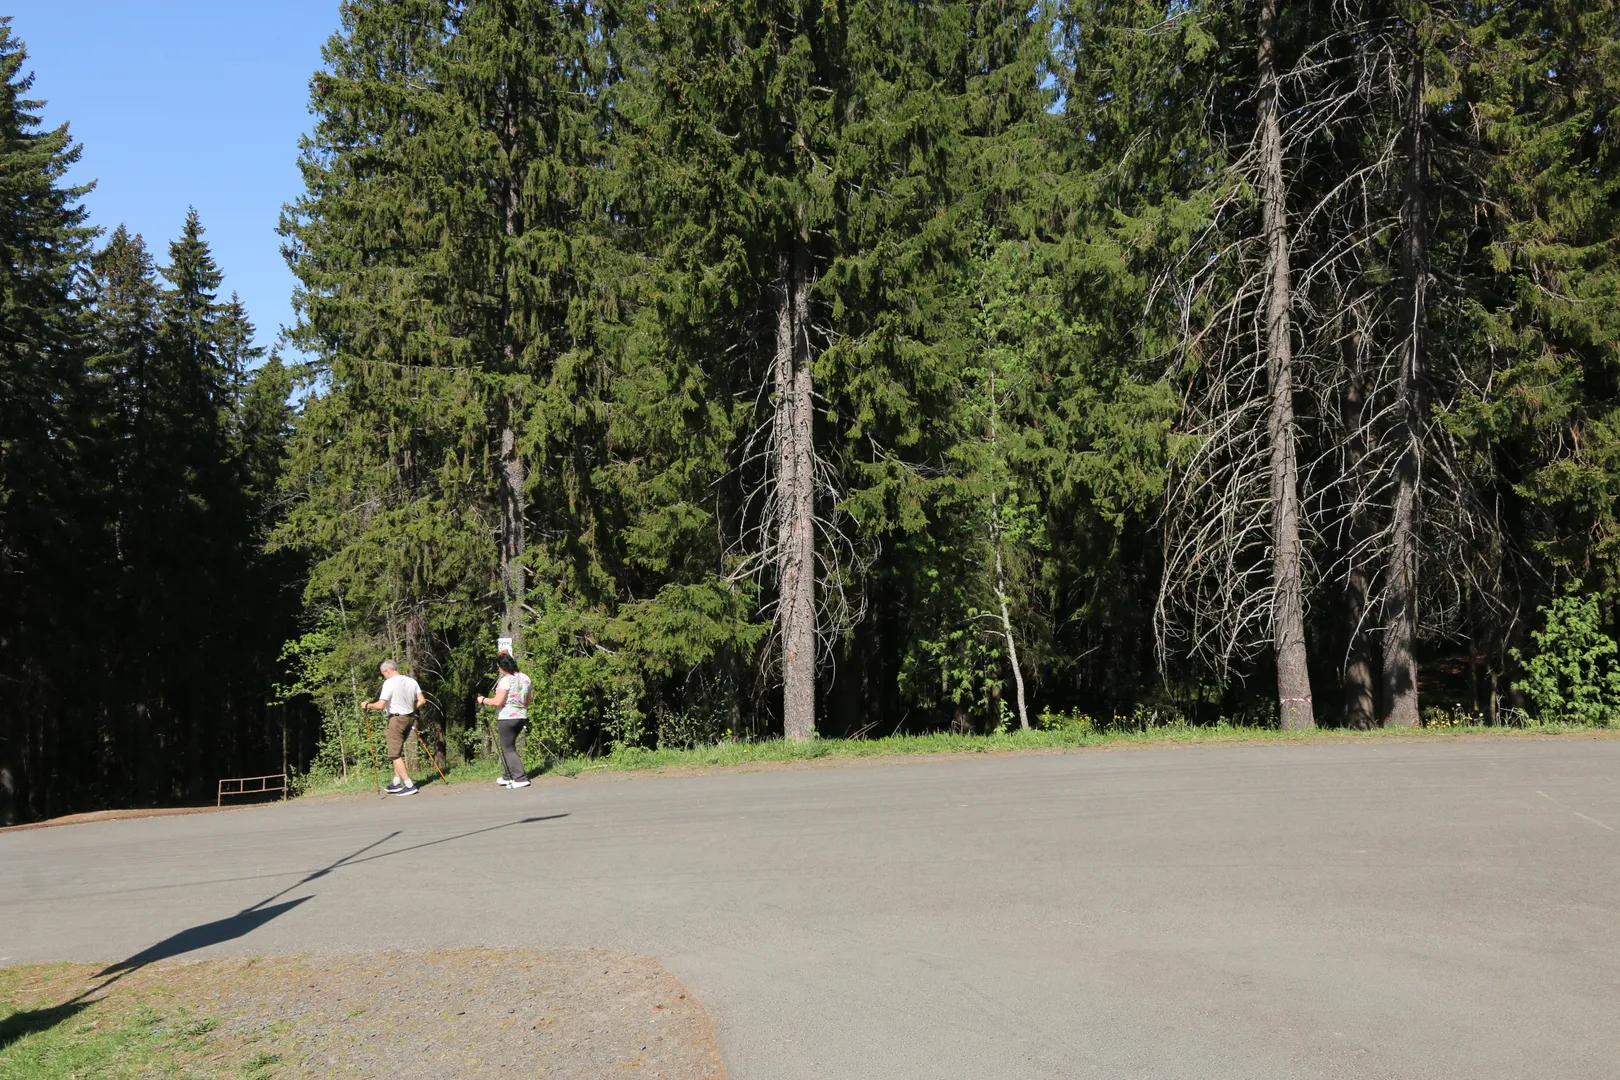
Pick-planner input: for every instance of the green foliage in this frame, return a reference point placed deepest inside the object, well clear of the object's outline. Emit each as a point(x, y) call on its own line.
point(141, 622)
point(1068, 720)
point(542, 251)
point(1573, 675)
point(1545, 87)
point(45, 422)
point(325, 666)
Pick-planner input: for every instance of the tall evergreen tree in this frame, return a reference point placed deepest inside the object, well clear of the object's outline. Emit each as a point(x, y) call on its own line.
point(43, 244)
point(1530, 245)
point(238, 355)
point(452, 294)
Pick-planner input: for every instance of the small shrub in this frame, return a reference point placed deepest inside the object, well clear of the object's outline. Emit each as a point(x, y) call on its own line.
point(685, 729)
point(1450, 716)
point(1574, 675)
point(1070, 721)
point(625, 725)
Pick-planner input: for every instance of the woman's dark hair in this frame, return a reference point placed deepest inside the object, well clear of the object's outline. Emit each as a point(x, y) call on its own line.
point(507, 663)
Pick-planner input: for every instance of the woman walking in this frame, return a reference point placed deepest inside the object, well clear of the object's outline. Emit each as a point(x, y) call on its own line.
point(511, 700)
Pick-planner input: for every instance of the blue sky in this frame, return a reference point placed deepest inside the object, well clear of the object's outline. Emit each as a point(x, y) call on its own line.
point(187, 103)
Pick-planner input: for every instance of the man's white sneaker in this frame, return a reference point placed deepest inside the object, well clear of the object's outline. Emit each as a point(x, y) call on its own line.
point(504, 782)
point(517, 783)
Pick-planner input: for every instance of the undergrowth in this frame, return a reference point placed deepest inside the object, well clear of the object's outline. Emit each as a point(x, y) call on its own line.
point(1054, 732)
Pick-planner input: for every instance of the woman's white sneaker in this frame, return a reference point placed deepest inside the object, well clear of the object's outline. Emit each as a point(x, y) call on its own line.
point(504, 782)
point(517, 783)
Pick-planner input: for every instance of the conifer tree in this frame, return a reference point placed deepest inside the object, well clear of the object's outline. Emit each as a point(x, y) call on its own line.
point(1190, 139)
point(43, 243)
point(238, 355)
point(450, 295)
point(1536, 324)
point(733, 104)
point(797, 159)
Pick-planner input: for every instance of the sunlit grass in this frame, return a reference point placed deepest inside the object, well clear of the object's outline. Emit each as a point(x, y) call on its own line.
point(46, 1034)
point(776, 751)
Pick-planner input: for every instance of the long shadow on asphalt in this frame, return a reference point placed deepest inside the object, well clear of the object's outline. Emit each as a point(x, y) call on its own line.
point(22, 1024)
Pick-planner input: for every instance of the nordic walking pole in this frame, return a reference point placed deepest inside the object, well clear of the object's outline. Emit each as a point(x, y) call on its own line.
point(371, 747)
point(431, 755)
point(354, 685)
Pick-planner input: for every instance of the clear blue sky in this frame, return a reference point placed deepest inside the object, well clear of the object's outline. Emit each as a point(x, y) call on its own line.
point(187, 103)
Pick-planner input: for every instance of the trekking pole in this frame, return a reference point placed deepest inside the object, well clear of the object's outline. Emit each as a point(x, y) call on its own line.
point(431, 755)
point(354, 685)
point(371, 747)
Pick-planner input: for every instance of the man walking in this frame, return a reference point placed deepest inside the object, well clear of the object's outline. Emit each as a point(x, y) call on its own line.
point(399, 698)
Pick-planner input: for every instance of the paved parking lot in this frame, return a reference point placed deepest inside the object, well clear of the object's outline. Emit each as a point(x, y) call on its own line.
point(1395, 909)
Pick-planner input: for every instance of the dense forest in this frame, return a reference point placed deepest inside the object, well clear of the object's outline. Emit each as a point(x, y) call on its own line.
point(838, 367)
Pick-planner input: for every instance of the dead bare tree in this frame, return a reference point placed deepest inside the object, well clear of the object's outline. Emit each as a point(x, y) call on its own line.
point(1400, 634)
point(1250, 514)
point(793, 537)
point(1391, 509)
point(1236, 558)
point(1287, 557)
point(794, 445)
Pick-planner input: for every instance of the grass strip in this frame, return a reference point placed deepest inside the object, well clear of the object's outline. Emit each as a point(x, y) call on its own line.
point(777, 751)
point(56, 1025)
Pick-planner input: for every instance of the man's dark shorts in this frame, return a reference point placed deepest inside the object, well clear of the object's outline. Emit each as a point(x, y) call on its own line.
point(399, 728)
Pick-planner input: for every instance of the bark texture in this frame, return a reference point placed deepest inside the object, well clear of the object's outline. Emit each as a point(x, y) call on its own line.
point(1401, 623)
point(1360, 677)
point(795, 500)
point(1288, 613)
point(1012, 643)
point(514, 583)
point(1001, 571)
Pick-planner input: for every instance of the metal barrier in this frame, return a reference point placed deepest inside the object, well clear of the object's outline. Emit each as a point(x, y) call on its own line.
point(242, 788)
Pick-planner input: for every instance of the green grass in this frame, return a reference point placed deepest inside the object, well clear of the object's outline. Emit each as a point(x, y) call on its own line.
point(66, 1022)
point(730, 754)
point(41, 1039)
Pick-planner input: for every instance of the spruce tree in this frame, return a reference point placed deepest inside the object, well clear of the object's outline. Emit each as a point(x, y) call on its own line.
point(1537, 322)
point(43, 245)
point(730, 105)
point(452, 296)
point(238, 355)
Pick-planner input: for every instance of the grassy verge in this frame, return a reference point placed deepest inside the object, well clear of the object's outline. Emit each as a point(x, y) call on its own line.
point(777, 751)
point(49, 1032)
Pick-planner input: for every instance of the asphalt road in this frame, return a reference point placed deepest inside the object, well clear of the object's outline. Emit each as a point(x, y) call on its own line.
point(1370, 910)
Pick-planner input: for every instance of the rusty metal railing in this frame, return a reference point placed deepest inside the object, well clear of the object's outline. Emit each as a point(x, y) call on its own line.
point(264, 786)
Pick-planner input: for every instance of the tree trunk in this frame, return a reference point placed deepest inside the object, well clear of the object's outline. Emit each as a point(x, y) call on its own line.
point(430, 736)
point(795, 499)
point(1001, 570)
point(1007, 632)
point(1400, 633)
point(1288, 615)
point(1360, 680)
point(10, 803)
point(514, 583)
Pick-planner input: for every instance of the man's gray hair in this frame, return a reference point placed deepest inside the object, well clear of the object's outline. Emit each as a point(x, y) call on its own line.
point(388, 665)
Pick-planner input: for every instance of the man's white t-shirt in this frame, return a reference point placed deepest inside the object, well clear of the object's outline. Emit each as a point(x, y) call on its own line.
point(400, 693)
